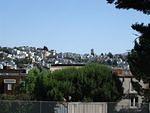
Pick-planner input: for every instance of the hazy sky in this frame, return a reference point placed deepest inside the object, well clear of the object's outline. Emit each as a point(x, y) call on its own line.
point(68, 25)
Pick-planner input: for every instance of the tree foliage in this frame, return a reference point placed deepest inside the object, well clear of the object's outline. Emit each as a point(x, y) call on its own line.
point(139, 5)
point(93, 82)
point(139, 57)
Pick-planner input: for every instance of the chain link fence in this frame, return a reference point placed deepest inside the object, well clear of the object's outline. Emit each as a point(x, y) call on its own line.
point(64, 107)
point(117, 108)
point(32, 107)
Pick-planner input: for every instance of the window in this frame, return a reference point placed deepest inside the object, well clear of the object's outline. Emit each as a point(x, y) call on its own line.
point(9, 87)
point(134, 102)
point(131, 87)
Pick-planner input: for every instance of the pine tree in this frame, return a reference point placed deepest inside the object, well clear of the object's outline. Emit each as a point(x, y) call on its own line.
point(139, 57)
point(139, 5)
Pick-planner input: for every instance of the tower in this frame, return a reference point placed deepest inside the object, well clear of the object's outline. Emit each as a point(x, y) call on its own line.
point(92, 52)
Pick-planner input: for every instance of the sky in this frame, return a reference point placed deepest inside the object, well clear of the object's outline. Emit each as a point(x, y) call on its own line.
point(68, 25)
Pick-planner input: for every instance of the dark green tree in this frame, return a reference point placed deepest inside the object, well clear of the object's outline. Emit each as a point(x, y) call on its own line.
point(110, 55)
point(101, 84)
point(45, 48)
point(139, 57)
point(94, 82)
point(30, 82)
point(39, 89)
point(139, 5)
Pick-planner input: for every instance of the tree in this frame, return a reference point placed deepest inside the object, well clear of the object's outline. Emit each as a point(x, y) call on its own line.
point(101, 84)
point(94, 82)
point(45, 48)
point(1, 56)
point(110, 55)
point(30, 82)
point(139, 5)
point(139, 57)
point(39, 89)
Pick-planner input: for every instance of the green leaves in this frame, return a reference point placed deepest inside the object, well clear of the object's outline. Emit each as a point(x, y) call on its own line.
point(139, 57)
point(94, 82)
point(139, 5)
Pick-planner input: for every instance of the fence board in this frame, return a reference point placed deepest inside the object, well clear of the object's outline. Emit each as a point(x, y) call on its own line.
point(76, 107)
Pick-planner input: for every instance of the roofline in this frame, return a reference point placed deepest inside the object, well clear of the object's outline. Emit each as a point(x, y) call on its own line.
point(68, 64)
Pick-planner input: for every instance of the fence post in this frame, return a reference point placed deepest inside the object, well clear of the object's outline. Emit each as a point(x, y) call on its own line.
point(40, 107)
point(149, 107)
point(67, 107)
